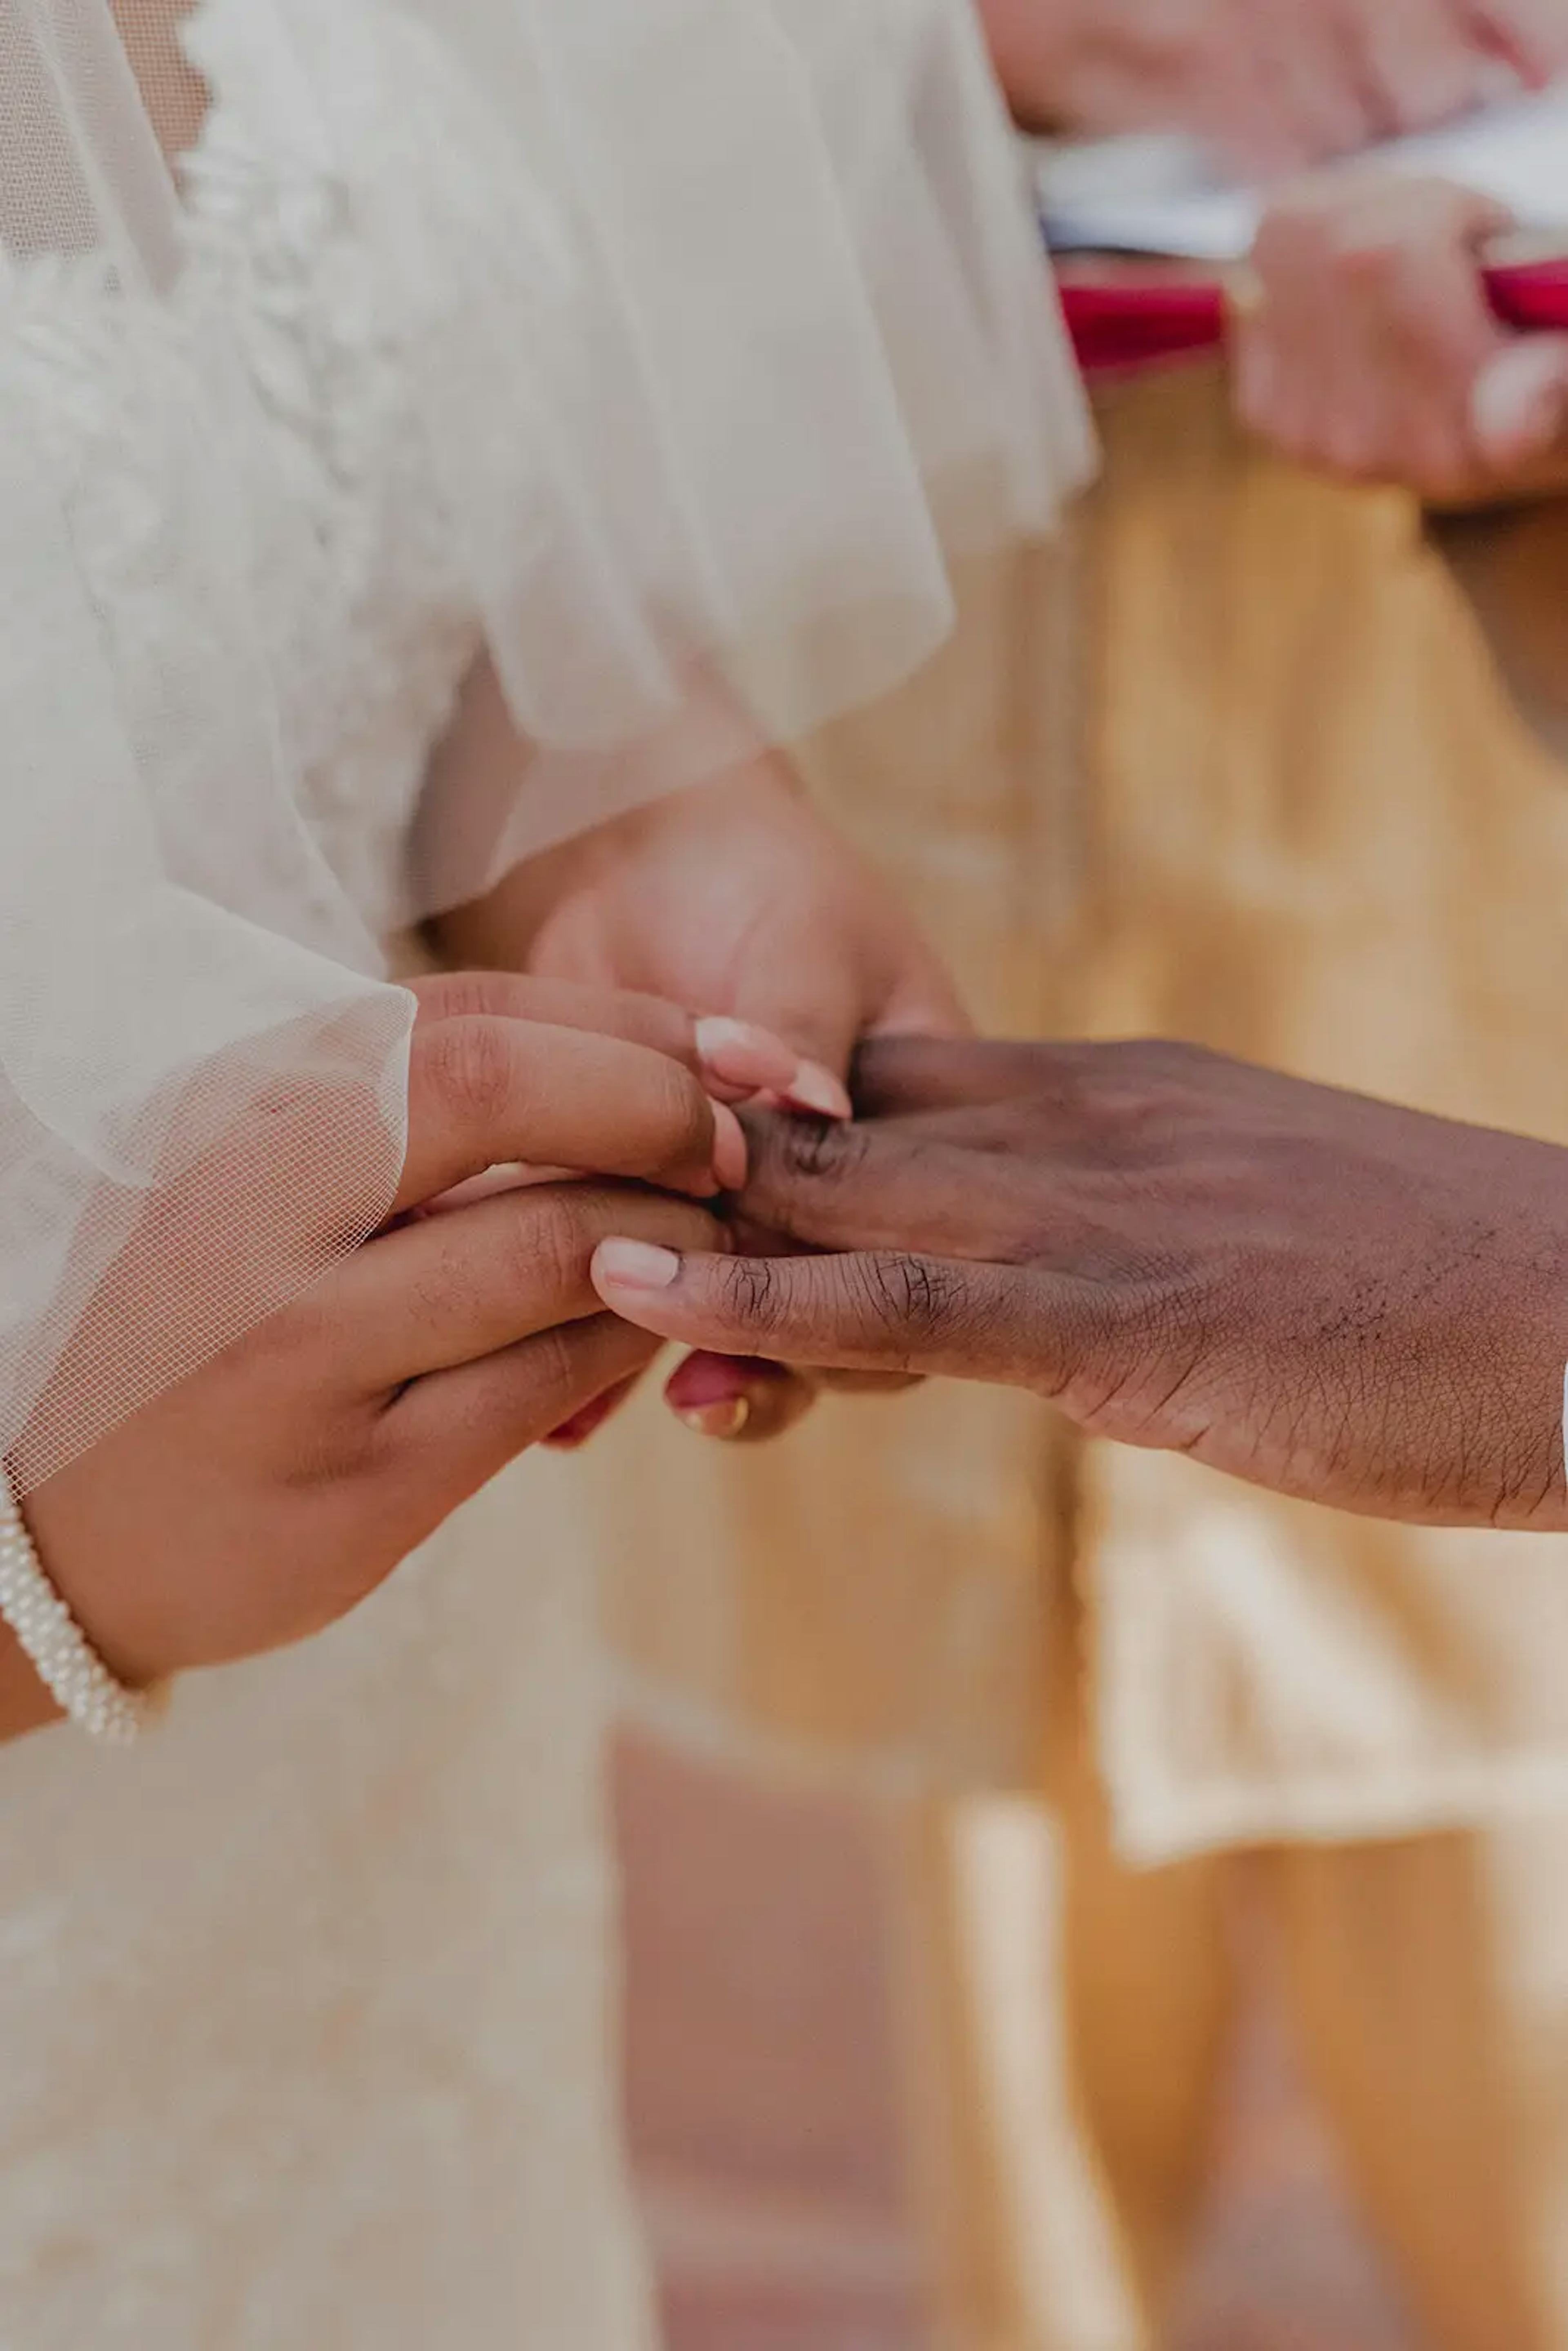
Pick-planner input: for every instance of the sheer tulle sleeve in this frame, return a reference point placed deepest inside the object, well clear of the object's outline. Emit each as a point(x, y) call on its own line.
point(723, 323)
point(767, 280)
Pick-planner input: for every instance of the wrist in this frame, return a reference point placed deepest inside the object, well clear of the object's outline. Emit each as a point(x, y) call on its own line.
point(47, 1636)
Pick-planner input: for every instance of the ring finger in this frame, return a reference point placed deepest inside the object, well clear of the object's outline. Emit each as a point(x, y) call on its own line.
point(450, 1289)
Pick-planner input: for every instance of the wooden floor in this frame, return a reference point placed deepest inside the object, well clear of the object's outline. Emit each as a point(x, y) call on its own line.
point(1282, 2264)
point(763, 2105)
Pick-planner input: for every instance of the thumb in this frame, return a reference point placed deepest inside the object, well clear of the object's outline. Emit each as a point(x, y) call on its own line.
point(1518, 402)
point(885, 1312)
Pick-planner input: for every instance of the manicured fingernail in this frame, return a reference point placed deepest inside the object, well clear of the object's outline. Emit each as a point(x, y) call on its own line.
point(816, 1089)
point(744, 1056)
point(725, 1420)
point(729, 1154)
point(635, 1265)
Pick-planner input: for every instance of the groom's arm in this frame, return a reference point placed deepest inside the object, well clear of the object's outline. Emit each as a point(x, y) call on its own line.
point(1327, 1295)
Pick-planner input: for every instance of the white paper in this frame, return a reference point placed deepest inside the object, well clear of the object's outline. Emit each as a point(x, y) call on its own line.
point(1152, 196)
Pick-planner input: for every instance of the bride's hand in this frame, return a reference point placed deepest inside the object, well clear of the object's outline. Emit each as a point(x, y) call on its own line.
point(274, 1489)
point(733, 897)
point(737, 898)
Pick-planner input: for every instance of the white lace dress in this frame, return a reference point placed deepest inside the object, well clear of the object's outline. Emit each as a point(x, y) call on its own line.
point(304, 2039)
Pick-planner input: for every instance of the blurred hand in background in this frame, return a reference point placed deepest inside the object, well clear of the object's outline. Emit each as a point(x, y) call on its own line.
point(1270, 86)
point(1368, 349)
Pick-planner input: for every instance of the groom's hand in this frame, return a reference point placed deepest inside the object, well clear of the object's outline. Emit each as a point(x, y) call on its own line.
point(1327, 1295)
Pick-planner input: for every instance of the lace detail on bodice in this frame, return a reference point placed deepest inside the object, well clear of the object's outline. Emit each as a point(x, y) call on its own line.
point(345, 578)
point(369, 627)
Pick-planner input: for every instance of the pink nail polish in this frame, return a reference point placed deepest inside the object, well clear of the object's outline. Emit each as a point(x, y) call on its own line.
point(813, 1088)
point(634, 1265)
point(742, 1055)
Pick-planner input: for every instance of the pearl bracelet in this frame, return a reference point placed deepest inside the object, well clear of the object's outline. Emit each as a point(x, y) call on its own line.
point(54, 1645)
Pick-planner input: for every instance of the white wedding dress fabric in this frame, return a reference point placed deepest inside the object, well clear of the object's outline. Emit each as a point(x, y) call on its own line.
point(696, 335)
point(307, 2005)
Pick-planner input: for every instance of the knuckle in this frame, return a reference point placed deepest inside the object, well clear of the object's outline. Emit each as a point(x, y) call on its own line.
point(793, 1158)
point(470, 1065)
point(545, 1248)
point(553, 1365)
point(452, 995)
point(751, 1294)
point(446, 1290)
point(820, 1150)
point(920, 1298)
point(537, 1252)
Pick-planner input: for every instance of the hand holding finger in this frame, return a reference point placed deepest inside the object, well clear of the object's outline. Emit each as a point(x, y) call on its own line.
point(483, 1092)
point(735, 1059)
point(1186, 1276)
point(449, 1289)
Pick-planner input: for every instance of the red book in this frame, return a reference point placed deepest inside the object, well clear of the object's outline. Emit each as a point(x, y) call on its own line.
point(1133, 316)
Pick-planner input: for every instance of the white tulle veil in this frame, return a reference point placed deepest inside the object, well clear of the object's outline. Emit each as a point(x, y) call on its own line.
point(756, 334)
